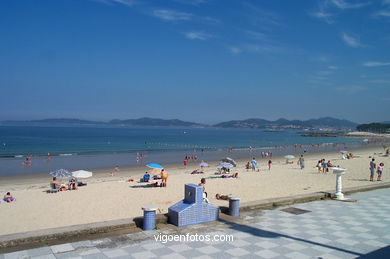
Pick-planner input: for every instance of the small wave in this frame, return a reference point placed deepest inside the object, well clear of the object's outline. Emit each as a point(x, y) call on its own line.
point(65, 154)
point(18, 156)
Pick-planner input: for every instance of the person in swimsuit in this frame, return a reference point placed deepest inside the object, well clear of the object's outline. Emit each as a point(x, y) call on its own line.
point(8, 197)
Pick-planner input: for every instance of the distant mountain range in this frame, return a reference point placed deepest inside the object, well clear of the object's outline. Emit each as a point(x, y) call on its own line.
point(326, 122)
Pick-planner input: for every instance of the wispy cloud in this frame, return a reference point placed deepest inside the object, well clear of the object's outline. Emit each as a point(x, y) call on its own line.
point(261, 48)
point(353, 89)
point(323, 15)
point(342, 4)
point(324, 73)
point(234, 50)
point(123, 2)
point(380, 81)
point(171, 15)
point(327, 8)
point(255, 48)
point(383, 13)
point(198, 35)
point(261, 17)
point(386, 2)
point(320, 58)
point(351, 41)
point(376, 64)
point(333, 67)
point(192, 2)
point(256, 35)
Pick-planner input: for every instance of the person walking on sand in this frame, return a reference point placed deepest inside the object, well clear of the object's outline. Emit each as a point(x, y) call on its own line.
point(301, 162)
point(164, 178)
point(254, 164)
point(379, 171)
point(372, 169)
point(269, 164)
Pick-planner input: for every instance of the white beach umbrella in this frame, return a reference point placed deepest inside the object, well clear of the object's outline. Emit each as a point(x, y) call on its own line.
point(289, 157)
point(226, 165)
point(81, 174)
point(229, 160)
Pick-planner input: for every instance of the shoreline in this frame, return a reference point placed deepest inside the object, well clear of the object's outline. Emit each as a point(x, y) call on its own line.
point(108, 198)
point(13, 166)
point(126, 172)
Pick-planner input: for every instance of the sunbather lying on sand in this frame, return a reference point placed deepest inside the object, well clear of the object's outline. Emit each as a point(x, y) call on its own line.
point(235, 175)
point(197, 172)
point(222, 197)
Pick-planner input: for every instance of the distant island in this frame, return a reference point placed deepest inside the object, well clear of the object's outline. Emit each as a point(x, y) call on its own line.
point(324, 124)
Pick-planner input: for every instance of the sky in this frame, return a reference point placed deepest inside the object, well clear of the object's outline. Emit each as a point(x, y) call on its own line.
point(197, 60)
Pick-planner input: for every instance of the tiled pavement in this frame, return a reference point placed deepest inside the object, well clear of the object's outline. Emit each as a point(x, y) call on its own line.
point(332, 229)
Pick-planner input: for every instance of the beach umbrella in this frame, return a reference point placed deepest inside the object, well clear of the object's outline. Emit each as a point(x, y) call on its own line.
point(155, 166)
point(289, 157)
point(225, 164)
point(203, 164)
point(229, 160)
point(61, 173)
point(81, 174)
point(365, 140)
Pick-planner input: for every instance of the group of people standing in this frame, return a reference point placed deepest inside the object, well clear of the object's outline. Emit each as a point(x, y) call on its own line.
point(378, 169)
point(323, 166)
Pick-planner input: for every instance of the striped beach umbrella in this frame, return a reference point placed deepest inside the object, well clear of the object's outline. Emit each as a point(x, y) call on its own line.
point(61, 173)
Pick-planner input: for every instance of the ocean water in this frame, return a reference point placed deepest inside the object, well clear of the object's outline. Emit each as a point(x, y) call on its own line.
point(98, 147)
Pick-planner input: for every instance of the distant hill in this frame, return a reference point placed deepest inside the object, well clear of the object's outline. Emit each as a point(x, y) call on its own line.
point(53, 122)
point(326, 122)
point(154, 122)
point(130, 122)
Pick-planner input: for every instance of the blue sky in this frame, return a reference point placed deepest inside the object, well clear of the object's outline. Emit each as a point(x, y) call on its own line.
point(198, 60)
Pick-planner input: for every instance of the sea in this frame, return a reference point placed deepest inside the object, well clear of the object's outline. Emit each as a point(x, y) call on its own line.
point(75, 148)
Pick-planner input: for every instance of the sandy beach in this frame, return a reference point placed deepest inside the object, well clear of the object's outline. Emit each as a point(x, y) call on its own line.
point(109, 198)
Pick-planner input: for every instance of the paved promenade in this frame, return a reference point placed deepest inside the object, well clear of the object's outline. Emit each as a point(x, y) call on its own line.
point(325, 229)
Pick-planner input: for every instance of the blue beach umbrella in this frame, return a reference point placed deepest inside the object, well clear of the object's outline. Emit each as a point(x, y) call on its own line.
point(61, 173)
point(155, 166)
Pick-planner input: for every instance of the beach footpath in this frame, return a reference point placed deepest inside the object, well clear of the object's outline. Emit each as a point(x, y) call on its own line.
point(322, 229)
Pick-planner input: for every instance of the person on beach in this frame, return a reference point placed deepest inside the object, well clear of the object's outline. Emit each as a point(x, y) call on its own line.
point(319, 166)
point(146, 177)
point(329, 164)
point(72, 184)
point(379, 171)
point(235, 175)
point(222, 197)
point(164, 178)
point(55, 183)
point(203, 184)
point(8, 198)
point(372, 169)
point(248, 166)
point(269, 164)
point(324, 166)
point(185, 162)
point(254, 164)
point(301, 162)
